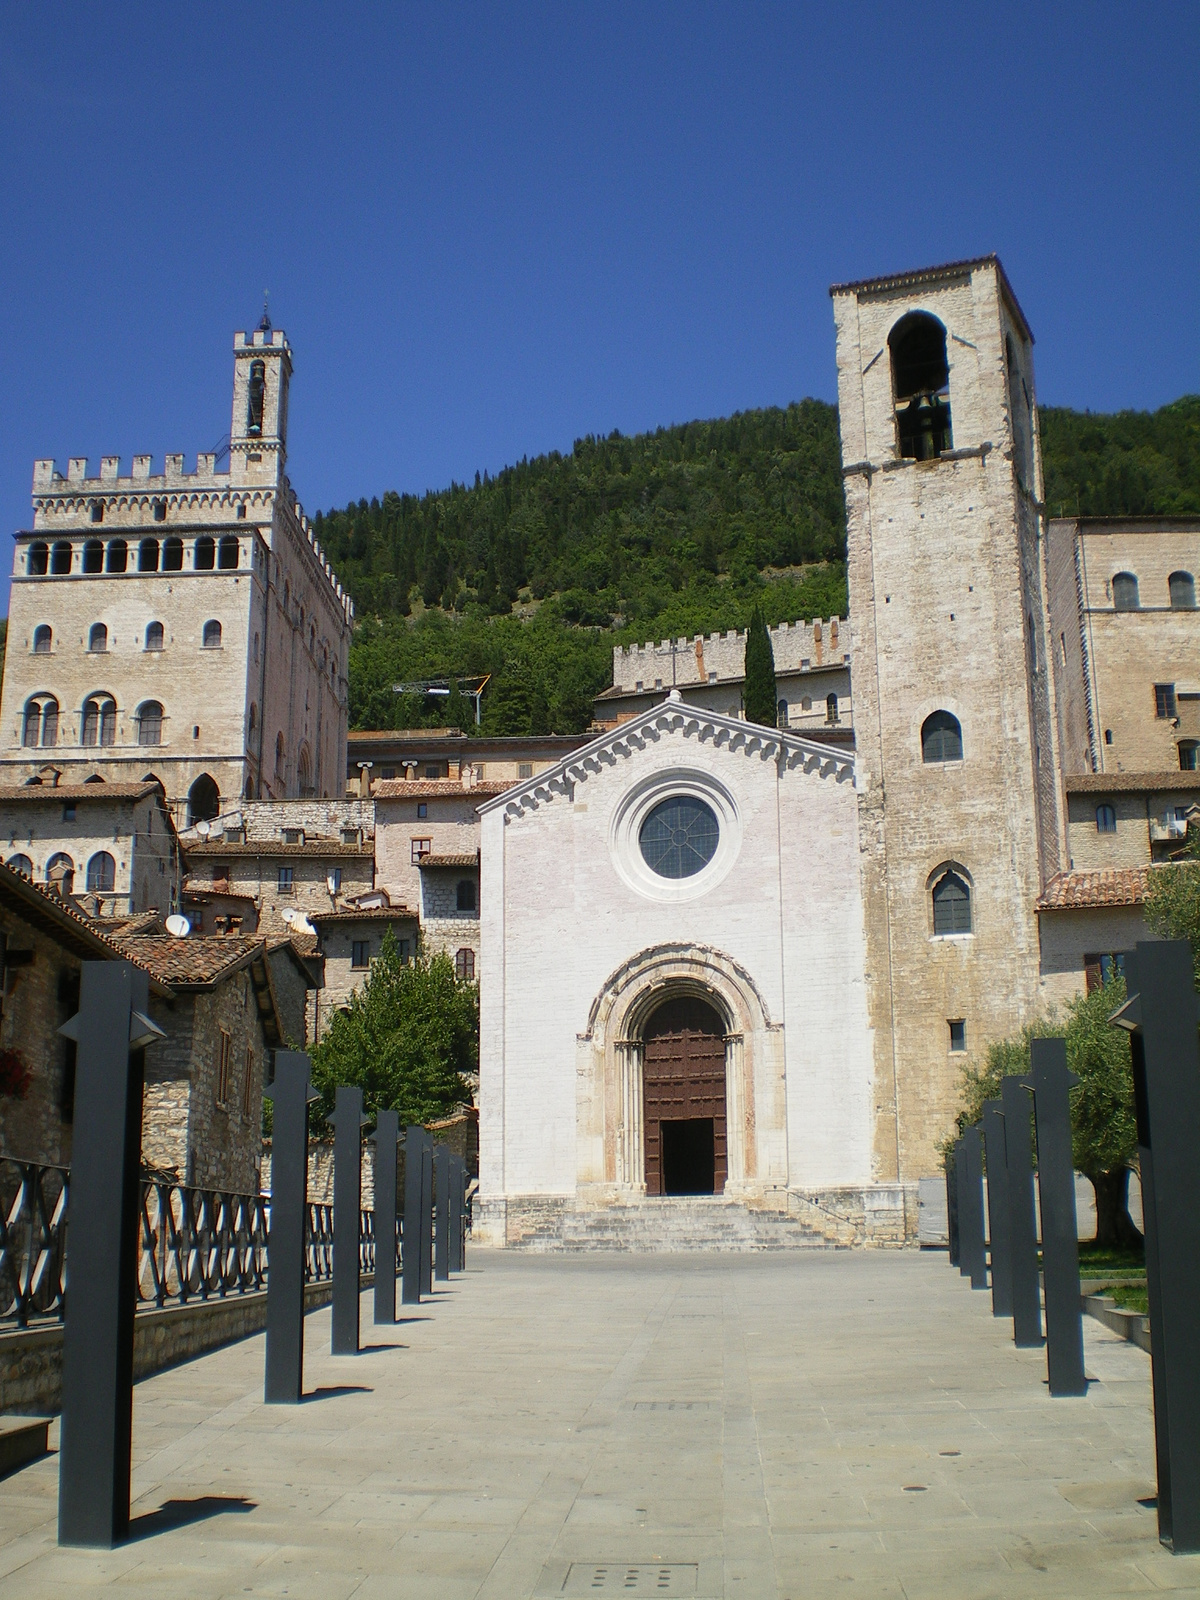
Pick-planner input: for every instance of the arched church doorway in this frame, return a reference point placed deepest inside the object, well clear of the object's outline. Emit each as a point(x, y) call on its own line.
point(683, 1074)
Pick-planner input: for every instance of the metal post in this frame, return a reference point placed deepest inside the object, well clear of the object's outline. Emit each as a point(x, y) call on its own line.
point(348, 1123)
point(442, 1218)
point(110, 1032)
point(426, 1222)
point(387, 1135)
point(456, 1207)
point(952, 1203)
point(973, 1256)
point(1161, 1017)
point(998, 1209)
point(290, 1094)
point(1022, 1214)
point(1052, 1084)
point(414, 1140)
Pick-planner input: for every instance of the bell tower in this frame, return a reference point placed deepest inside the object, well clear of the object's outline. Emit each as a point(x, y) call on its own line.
point(262, 374)
point(956, 759)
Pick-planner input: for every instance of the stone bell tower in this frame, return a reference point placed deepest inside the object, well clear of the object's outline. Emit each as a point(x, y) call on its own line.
point(262, 373)
point(958, 802)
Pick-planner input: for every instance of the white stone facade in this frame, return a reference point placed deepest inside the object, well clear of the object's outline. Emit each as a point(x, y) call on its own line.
point(580, 943)
point(185, 625)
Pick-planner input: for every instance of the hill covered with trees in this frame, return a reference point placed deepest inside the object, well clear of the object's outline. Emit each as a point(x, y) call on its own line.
point(535, 574)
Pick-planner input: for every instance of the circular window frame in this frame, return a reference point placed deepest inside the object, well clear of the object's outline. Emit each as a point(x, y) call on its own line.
point(624, 837)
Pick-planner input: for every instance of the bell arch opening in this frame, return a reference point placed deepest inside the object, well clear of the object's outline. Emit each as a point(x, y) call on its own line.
point(683, 1088)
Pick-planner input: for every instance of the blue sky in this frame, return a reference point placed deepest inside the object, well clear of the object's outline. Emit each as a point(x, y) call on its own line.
point(490, 229)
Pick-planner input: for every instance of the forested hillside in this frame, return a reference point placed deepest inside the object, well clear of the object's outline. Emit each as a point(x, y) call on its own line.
point(534, 574)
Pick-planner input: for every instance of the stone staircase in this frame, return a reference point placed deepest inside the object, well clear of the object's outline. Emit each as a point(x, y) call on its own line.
point(672, 1223)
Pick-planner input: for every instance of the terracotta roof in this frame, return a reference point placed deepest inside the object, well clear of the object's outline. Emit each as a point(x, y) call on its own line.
point(376, 914)
point(315, 849)
point(1130, 782)
point(406, 735)
point(10, 794)
point(905, 280)
point(304, 944)
point(143, 923)
point(1109, 886)
point(430, 788)
point(463, 860)
point(63, 922)
point(197, 962)
point(209, 891)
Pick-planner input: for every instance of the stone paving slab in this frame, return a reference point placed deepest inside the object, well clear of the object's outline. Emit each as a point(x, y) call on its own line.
point(784, 1425)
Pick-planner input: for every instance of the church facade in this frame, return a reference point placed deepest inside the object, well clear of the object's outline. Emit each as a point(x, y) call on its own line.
point(755, 963)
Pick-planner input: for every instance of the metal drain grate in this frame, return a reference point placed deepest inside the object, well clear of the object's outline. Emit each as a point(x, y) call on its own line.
point(639, 1578)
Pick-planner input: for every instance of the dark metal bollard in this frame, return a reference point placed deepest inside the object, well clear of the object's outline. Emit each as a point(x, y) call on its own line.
point(387, 1136)
point(414, 1143)
point(110, 1030)
point(426, 1214)
point(443, 1221)
point(998, 1209)
point(1161, 1017)
point(1060, 1226)
point(348, 1123)
point(952, 1204)
point(291, 1094)
point(1022, 1214)
point(970, 1209)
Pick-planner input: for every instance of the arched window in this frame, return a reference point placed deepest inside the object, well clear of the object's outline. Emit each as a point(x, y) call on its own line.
point(117, 556)
point(154, 636)
point(149, 721)
point(60, 871)
point(21, 864)
point(781, 714)
point(99, 720)
point(1106, 819)
point(304, 773)
point(172, 555)
point(160, 511)
point(60, 559)
point(1189, 755)
point(464, 966)
point(1125, 592)
point(97, 509)
point(255, 649)
point(253, 722)
point(148, 555)
point(951, 905)
point(204, 800)
point(831, 708)
point(255, 390)
point(465, 898)
point(98, 638)
point(41, 722)
point(36, 560)
point(212, 635)
point(1183, 591)
point(941, 738)
point(920, 386)
point(279, 752)
point(101, 873)
point(203, 554)
point(227, 554)
point(93, 556)
point(43, 639)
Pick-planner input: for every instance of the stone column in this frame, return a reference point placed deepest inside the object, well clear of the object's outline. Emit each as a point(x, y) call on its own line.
point(735, 1111)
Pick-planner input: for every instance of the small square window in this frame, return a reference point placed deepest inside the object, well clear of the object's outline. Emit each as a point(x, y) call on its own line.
point(360, 953)
point(285, 883)
point(1164, 700)
point(405, 948)
point(335, 880)
point(68, 812)
point(1106, 819)
point(421, 848)
point(422, 810)
point(524, 769)
point(958, 1036)
point(433, 772)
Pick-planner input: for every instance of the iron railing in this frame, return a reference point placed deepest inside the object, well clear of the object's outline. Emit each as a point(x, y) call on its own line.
point(193, 1243)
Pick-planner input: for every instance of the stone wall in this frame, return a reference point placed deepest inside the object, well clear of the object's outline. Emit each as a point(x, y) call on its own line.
point(41, 994)
point(676, 663)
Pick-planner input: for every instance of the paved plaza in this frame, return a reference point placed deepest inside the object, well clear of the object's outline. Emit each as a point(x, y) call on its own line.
point(800, 1425)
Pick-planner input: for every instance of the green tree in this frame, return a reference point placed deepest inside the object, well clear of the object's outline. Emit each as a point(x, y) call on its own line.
point(409, 1038)
point(1173, 900)
point(1104, 1133)
point(759, 691)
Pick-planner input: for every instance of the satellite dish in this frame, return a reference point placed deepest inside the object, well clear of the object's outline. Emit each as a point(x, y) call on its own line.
point(204, 829)
point(178, 927)
point(289, 915)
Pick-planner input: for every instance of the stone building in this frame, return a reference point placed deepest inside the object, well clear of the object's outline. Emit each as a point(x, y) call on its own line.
point(113, 843)
point(1126, 638)
point(387, 754)
point(273, 884)
point(812, 677)
point(184, 626)
point(349, 940)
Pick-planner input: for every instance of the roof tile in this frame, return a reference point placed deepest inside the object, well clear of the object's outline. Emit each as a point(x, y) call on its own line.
point(1107, 886)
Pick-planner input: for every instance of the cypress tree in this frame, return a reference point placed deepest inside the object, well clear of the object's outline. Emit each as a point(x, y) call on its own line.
point(759, 692)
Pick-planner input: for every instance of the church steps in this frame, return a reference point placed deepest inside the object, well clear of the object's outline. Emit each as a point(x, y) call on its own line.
point(670, 1224)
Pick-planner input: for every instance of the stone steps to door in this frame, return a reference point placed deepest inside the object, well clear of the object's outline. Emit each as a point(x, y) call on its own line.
point(672, 1223)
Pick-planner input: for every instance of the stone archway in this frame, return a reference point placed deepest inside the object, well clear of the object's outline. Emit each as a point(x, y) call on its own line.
point(610, 1068)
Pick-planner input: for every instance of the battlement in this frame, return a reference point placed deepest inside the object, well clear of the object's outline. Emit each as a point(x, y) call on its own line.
point(721, 657)
point(141, 479)
point(262, 339)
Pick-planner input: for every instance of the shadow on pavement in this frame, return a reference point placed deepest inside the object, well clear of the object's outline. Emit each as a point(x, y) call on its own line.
point(180, 1513)
point(332, 1390)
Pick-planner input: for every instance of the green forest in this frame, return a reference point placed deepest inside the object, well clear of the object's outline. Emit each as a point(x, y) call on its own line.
point(533, 575)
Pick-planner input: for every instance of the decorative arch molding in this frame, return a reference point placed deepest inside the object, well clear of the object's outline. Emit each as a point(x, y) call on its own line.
point(610, 1062)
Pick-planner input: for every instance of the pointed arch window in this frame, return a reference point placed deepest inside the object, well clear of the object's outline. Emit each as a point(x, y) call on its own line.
point(99, 725)
point(43, 639)
point(941, 738)
point(204, 800)
point(21, 864)
point(101, 873)
point(304, 773)
point(951, 905)
point(41, 722)
point(255, 391)
point(60, 872)
point(920, 386)
point(1125, 592)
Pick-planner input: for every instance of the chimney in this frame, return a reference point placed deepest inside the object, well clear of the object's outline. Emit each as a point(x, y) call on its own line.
point(364, 779)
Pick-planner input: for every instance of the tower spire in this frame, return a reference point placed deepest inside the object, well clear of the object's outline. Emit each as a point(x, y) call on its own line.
point(264, 325)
